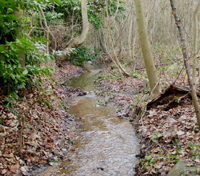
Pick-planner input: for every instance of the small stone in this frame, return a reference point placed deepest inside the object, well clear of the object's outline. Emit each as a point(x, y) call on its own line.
point(181, 167)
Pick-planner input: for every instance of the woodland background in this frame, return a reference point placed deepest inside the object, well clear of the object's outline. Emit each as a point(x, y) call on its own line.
point(38, 37)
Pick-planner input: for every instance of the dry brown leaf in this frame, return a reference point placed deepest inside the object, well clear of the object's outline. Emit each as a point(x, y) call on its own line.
point(8, 155)
point(4, 171)
point(14, 168)
point(24, 169)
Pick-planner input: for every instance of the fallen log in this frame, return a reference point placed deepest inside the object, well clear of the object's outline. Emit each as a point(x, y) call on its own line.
point(171, 97)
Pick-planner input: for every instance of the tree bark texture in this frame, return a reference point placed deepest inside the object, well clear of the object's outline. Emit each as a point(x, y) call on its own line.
point(146, 50)
point(22, 56)
point(195, 39)
point(186, 63)
point(48, 31)
point(115, 59)
point(75, 43)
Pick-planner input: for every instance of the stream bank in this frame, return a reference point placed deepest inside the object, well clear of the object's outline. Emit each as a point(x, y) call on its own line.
point(29, 139)
point(167, 137)
point(107, 145)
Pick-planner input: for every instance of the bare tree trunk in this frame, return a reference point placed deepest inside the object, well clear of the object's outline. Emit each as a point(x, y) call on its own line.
point(131, 46)
point(79, 41)
point(130, 36)
point(115, 60)
point(195, 39)
point(101, 42)
point(146, 50)
point(48, 31)
point(22, 56)
point(186, 63)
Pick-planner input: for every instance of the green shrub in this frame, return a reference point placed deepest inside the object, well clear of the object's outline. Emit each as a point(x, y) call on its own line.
point(81, 54)
point(14, 76)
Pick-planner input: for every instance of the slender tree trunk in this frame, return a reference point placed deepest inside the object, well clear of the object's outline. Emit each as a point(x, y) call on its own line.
point(101, 42)
point(130, 36)
point(131, 46)
point(133, 54)
point(48, 31)
point(79, 41)
point(195, 39)
point(22, 56)
point(186, 63)
point(116, 60)
point(146, 50)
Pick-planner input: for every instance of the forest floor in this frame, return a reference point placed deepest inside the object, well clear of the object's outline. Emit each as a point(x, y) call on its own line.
point(37, 130)
point(29, 137)
point(168, 131)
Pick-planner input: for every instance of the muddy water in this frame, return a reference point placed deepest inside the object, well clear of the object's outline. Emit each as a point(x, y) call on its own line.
point(107, 145)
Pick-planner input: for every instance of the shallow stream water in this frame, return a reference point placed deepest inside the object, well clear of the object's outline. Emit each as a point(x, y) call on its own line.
point(107, 145)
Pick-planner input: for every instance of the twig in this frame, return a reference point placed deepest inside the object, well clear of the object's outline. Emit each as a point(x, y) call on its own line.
point(141, 118)
point(154, 87)
point(47, 29)
point(178, 76)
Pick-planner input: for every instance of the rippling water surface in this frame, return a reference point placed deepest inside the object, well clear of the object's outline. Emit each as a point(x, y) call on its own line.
point(107, 145)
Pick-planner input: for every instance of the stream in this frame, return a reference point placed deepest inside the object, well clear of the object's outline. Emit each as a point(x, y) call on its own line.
point(107, 145)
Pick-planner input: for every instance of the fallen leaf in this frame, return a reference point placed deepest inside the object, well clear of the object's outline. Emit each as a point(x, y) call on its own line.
point(180, 133)
point(14, 168)
point(24, 170)
point(3, 172)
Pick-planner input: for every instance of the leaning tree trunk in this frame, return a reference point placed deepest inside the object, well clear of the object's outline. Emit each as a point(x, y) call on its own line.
point(195, 39)
point(146, 50)
point(75, 43)
point(186, 63)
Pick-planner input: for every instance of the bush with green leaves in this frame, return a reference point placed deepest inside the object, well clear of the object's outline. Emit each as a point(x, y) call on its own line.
point(94, 8)
point(11, 72)
point(81, 54)
point(13, 43)
point(73, 7)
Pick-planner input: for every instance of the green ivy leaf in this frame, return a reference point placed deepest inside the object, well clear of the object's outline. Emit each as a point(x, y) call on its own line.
point(8, 105)
point(9, 10)
point(25, 72)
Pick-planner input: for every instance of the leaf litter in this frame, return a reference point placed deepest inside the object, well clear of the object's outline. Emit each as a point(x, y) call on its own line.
point(37, 130)
point(168, 131)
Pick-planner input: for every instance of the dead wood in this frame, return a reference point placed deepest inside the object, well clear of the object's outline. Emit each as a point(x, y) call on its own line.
point(171, 97)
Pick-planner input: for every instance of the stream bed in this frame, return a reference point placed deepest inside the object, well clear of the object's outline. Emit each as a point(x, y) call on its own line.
point(107, 145)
